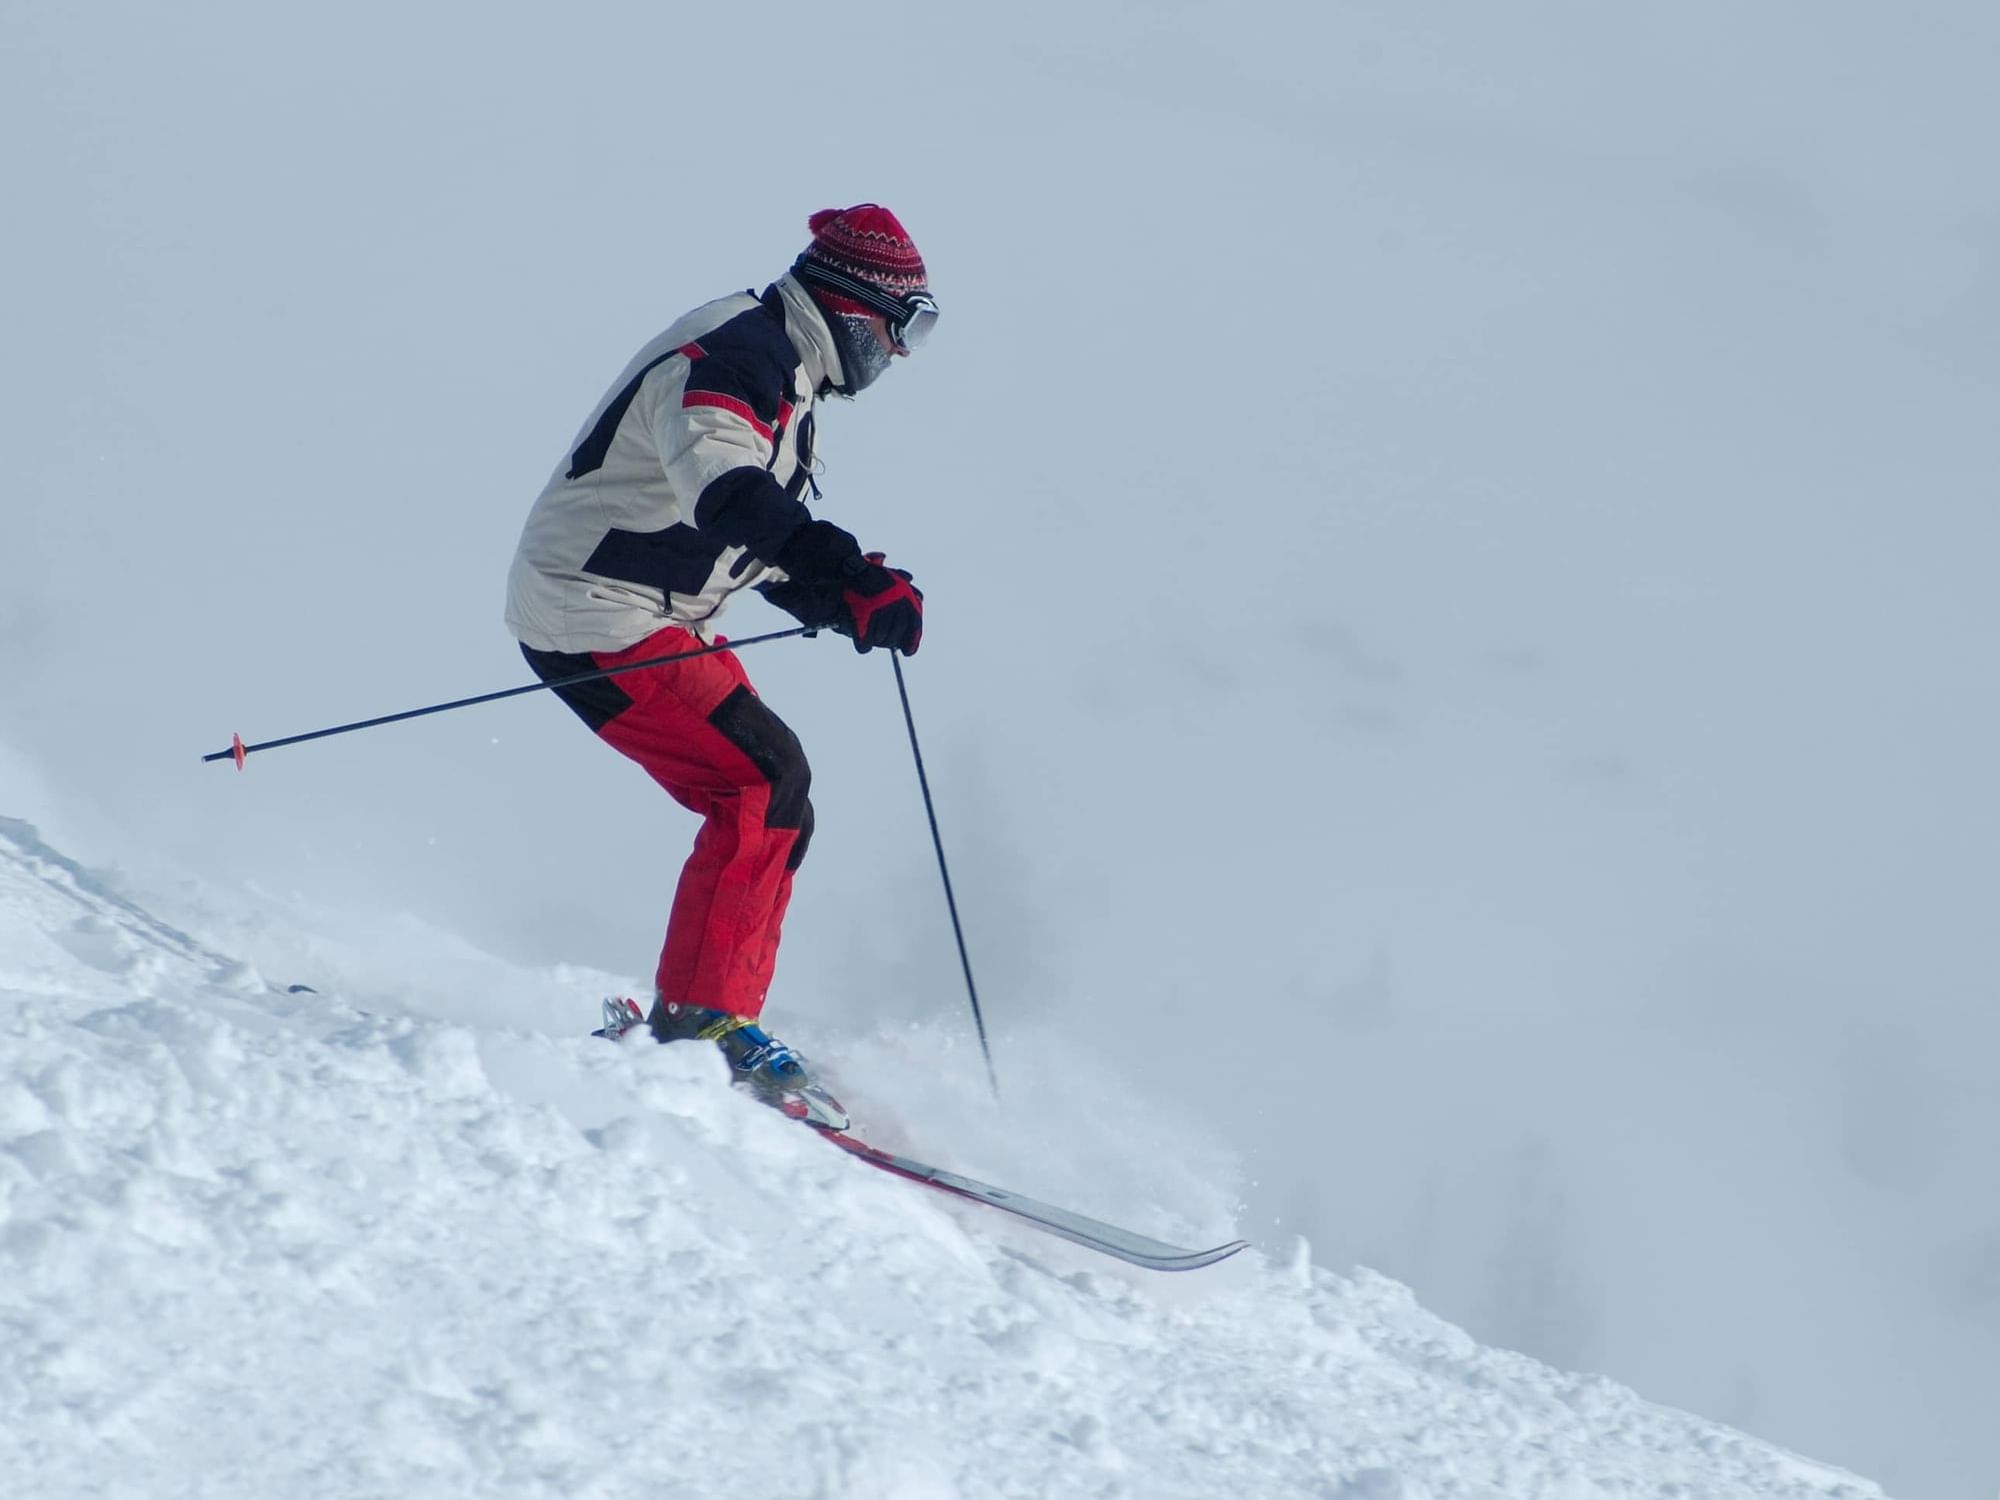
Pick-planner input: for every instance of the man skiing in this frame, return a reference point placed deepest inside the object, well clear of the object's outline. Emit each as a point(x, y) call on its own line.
point(686, 485)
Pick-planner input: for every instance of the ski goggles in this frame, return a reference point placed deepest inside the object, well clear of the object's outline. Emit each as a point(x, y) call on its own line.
point(910, 317)
point(920, 315)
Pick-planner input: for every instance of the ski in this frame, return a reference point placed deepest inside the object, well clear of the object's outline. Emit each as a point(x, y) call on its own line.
point(824, 1114)
point(1093, 1234)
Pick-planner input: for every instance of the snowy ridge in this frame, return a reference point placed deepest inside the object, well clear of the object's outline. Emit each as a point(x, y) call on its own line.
point(262, 1244)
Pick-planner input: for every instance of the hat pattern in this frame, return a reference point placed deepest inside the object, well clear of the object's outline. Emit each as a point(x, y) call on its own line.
point(870, 244)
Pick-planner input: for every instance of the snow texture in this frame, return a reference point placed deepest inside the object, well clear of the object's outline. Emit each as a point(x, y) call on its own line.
point(350, 1244)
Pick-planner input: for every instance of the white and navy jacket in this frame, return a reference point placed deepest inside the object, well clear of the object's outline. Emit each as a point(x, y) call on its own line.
point(685, 482)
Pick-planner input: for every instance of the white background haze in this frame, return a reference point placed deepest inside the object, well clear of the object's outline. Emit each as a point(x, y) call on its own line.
point(1459, 545)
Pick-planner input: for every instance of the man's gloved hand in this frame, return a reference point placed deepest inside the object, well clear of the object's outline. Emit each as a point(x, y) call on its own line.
point(818, 559)
point(831, 585)
point(884, 608)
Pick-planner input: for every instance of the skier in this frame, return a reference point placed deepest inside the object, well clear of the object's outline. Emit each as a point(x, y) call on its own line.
point(686, 485)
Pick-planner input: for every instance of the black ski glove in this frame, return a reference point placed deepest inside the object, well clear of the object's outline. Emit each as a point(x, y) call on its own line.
point(820, 558)
point(884, 608)
point(832, 586)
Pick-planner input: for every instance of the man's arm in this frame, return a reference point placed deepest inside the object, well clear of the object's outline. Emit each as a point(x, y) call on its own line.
point(718, 442)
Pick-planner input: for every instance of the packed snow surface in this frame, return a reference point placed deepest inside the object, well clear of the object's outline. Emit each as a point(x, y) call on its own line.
point(362, 1243)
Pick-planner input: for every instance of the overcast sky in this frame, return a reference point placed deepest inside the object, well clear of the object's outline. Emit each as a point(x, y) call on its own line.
point(1459, 545)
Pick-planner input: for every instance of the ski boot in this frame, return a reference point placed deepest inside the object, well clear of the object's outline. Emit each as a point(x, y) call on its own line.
point(759, 1063)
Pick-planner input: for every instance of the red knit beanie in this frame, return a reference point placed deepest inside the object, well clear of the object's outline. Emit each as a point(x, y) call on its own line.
point(868, 243)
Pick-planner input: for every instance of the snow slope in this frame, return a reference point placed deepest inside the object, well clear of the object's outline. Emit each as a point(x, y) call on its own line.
point(257, 1243)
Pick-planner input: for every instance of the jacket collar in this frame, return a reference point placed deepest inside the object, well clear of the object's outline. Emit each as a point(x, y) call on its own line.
point(810, 336)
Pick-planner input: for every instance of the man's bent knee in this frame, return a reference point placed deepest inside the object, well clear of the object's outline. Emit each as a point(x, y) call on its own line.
point(775, 751)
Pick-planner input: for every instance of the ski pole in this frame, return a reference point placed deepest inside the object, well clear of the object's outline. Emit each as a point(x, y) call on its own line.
point(950, 901)
point(237, 750)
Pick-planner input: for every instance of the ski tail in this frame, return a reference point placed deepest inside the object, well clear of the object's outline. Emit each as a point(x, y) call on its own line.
point(620, 1016)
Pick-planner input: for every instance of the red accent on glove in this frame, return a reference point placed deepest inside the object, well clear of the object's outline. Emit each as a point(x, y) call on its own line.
point(886, 606)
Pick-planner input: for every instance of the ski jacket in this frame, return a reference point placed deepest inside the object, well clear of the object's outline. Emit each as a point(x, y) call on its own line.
point(685, 482)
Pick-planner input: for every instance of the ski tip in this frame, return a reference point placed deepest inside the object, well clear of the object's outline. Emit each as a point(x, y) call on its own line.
point(236, 751)
point(1183, 1260)
point(1204, 1258)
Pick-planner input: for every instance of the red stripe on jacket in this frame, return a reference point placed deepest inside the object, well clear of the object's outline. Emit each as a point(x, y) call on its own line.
point(729, 404)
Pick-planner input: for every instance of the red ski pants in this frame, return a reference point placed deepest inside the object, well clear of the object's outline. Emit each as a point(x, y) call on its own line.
point(698, 728)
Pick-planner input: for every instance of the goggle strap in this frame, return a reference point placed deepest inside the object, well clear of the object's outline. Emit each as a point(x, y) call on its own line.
point(894, 308)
